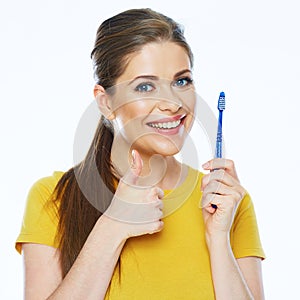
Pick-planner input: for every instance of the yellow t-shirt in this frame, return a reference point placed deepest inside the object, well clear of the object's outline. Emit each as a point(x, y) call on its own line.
point(171, 264)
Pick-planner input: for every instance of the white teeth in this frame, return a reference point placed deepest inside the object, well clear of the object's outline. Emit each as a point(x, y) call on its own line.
point(166, 125)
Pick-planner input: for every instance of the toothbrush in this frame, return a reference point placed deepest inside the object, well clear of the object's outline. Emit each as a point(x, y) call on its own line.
point(221, 108)
point(218, 153)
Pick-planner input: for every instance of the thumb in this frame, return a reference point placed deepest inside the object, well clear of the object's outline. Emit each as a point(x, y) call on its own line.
point(135, 169)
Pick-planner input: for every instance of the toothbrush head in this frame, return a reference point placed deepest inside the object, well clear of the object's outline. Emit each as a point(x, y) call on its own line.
point(221, 101)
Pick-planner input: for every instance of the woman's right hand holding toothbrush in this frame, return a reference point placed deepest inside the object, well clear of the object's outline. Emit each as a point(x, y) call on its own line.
point(221, 188)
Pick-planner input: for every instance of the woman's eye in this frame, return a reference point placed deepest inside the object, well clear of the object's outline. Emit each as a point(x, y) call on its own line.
point(183, 82)
point(144, 87)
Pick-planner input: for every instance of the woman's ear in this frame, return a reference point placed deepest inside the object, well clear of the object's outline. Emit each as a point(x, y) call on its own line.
point(103, 102)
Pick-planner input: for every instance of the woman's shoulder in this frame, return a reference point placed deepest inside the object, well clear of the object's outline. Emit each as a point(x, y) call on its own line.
point(42, 189)
point(49, 181)
point(40, 217)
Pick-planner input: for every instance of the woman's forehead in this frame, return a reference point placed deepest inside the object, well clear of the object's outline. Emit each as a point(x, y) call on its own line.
point(163, 59)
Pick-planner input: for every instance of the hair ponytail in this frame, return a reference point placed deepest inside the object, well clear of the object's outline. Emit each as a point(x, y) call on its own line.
point(83, 193)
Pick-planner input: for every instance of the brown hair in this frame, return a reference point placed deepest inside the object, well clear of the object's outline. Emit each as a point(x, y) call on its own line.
point(86, 190)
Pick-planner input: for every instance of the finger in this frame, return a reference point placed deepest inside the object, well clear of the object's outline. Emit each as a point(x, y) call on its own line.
point(219, 175)
point(216, 187)
point(221, 163)
point(134, 213)
point(156, 208)
point(156, 192)
point(135, 170)
point(211, 209)
point(157, 226)
point(206, 202)
point(212, 200)
point(230, 195)
point(159, 204)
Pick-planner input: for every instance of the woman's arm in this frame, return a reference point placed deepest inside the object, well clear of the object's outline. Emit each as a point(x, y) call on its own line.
point(222, 193)
point(91, 273)
point(41, 270)
point(234, 279)
point(89, 276)
point(252, 272)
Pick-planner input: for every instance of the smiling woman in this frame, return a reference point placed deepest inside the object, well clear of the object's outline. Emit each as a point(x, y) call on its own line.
point(127, 222)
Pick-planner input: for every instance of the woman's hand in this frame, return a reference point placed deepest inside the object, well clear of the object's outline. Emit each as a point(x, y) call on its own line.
point(221, 196)
point(138, 209)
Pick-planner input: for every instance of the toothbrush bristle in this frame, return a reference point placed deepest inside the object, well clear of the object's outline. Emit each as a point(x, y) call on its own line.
point(221, 102)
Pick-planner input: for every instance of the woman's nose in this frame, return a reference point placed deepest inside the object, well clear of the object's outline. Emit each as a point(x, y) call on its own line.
point(169, 104)
point(169, 100)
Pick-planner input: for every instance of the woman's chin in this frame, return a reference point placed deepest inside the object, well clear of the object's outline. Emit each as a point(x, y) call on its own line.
point(163, 149)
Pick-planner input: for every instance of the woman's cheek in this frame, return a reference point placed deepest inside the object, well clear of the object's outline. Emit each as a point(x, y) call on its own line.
point(189, 120)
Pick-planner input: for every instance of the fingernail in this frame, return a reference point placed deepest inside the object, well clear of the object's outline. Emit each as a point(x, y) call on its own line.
point(133, 156)
point(206, 165)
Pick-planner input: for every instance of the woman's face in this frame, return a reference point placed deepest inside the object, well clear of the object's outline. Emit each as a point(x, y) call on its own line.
point(154, 100)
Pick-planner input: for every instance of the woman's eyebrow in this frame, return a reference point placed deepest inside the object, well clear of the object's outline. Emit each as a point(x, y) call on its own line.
point(151, 77)
point(182, 72)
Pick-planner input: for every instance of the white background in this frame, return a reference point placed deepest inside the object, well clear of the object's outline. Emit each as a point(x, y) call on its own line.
point(248, 49)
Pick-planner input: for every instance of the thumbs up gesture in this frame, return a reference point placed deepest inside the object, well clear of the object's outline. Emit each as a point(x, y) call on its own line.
point(139, 208)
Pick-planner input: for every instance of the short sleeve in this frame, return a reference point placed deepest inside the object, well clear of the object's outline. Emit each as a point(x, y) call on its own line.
point(244, 237)
point(40, 218)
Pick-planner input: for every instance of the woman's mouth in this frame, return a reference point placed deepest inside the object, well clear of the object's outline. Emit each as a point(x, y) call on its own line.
point(165, 125)
point(168, 125)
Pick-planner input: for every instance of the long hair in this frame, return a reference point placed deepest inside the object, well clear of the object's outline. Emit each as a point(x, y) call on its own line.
point(86, 190)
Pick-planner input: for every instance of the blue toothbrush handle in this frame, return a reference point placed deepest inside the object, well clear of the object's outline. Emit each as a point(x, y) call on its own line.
point(218, 153)
point(219, 150)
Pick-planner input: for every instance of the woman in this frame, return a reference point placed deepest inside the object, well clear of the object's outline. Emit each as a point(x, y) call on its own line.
point(125, 223)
